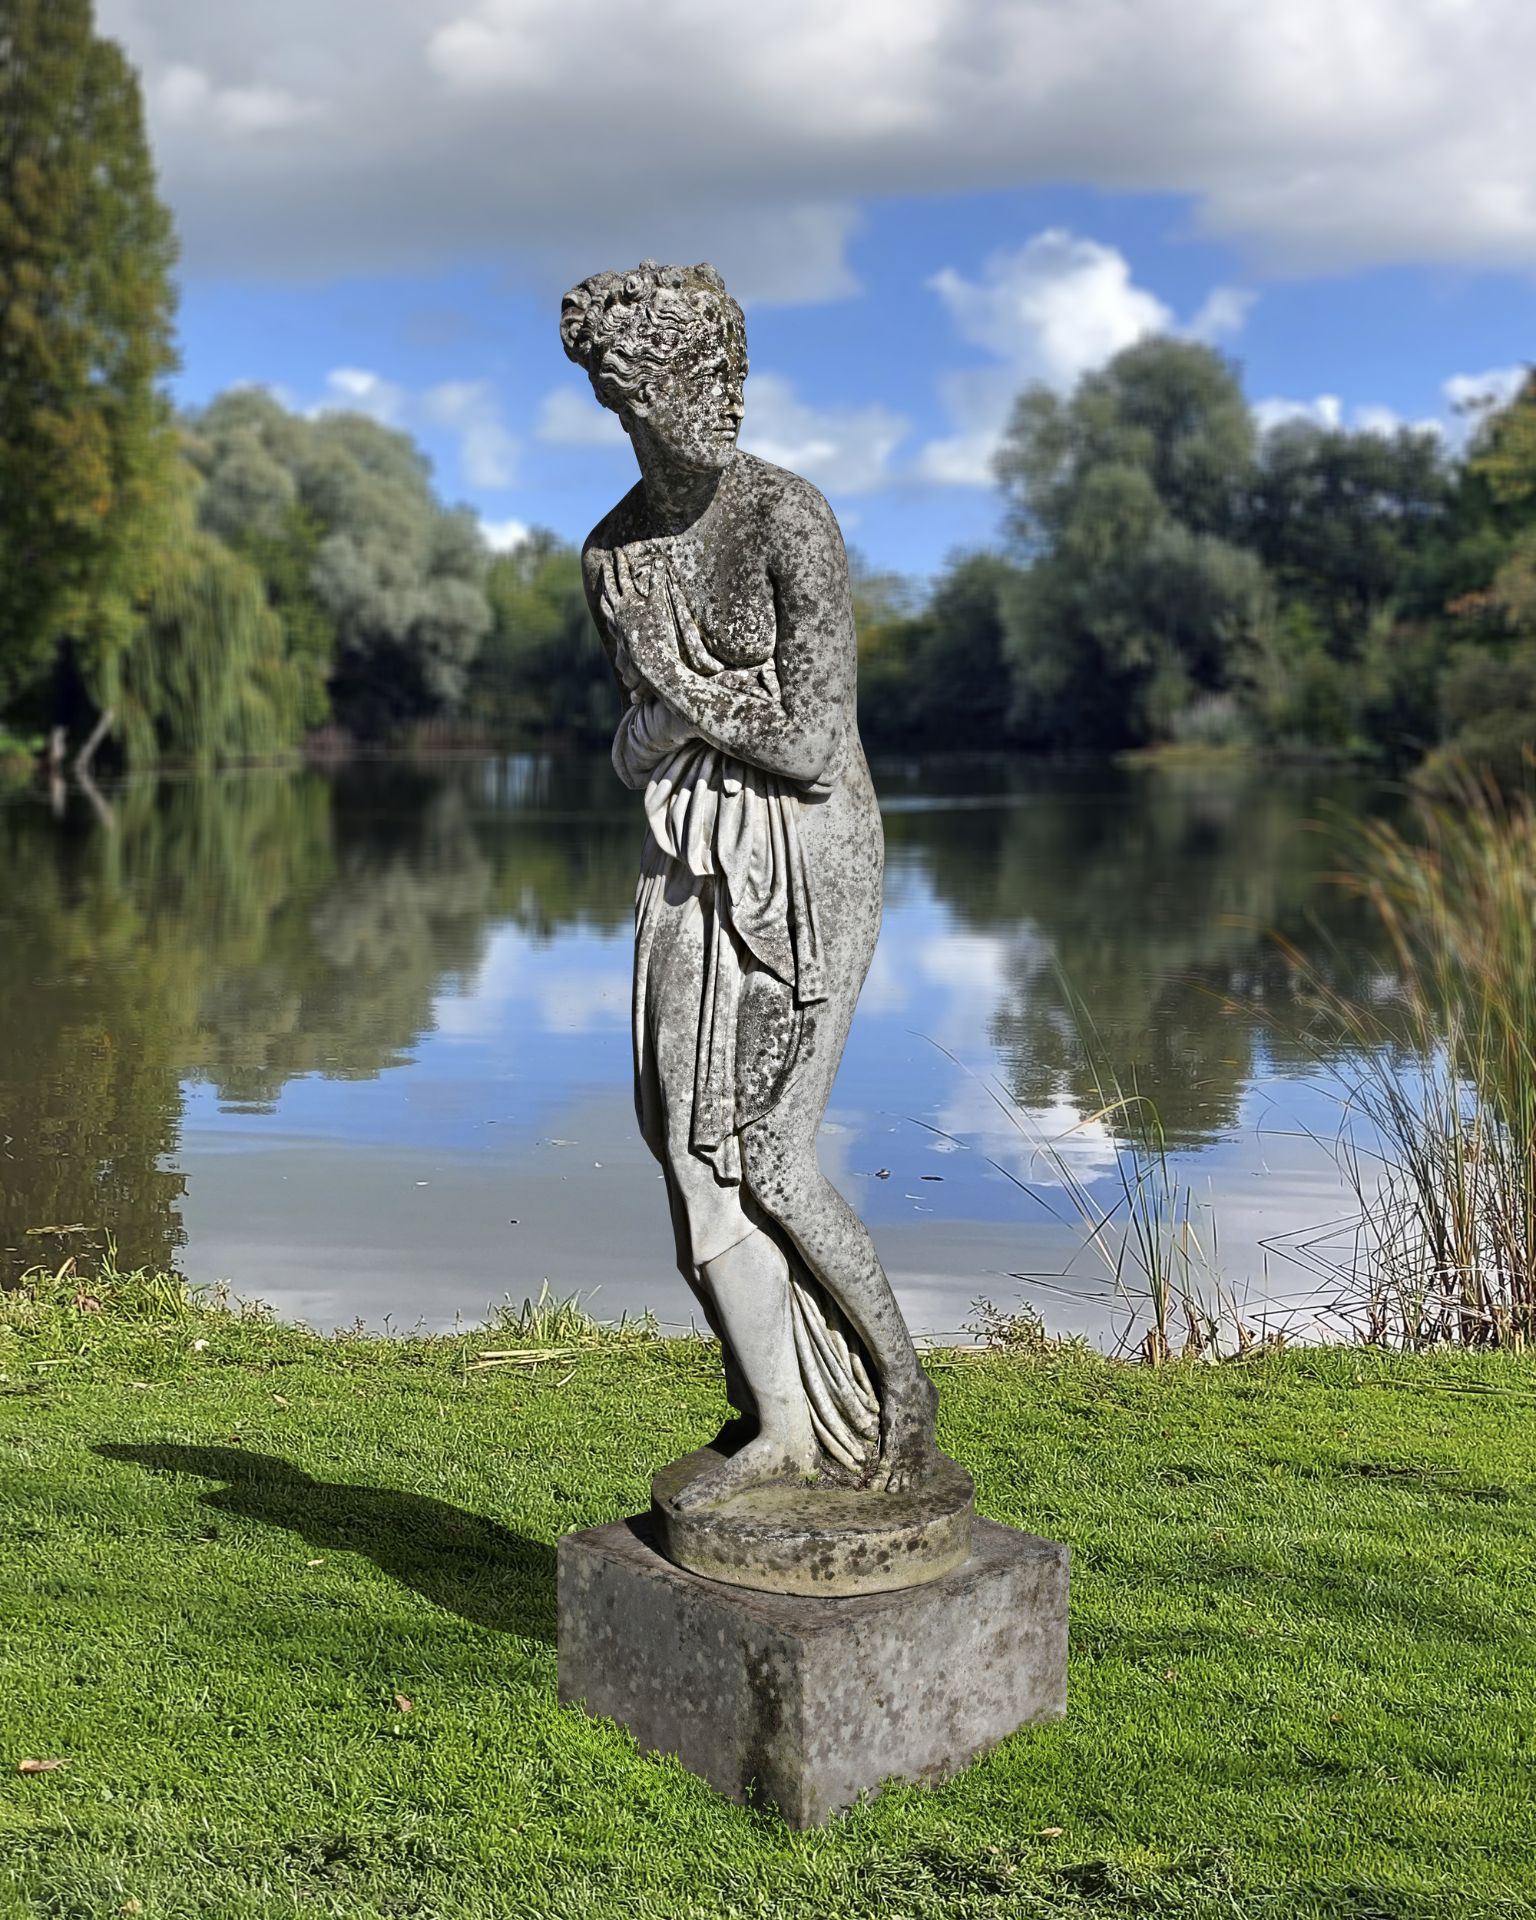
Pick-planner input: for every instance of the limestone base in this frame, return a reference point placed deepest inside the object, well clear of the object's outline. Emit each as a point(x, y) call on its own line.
point(806, 1704)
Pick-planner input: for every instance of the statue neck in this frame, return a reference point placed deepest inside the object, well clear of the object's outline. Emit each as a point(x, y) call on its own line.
point(675, 495)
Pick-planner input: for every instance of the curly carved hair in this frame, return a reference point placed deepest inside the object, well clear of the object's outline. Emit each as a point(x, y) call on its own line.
point(625, 328)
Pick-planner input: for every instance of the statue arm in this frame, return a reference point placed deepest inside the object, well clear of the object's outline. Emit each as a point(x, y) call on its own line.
point(595, 573)
point(798, 733)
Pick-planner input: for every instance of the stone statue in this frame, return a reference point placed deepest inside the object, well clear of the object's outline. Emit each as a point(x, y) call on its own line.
point(889, 1632)
point(720, 587)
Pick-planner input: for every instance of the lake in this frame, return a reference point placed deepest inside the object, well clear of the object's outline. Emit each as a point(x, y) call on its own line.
point(357, 1040)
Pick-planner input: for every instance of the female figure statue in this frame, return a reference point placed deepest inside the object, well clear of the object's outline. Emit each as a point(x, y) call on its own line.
point(719, 584)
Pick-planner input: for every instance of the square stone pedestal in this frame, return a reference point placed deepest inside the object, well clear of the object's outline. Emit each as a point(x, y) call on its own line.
point(803, 1703)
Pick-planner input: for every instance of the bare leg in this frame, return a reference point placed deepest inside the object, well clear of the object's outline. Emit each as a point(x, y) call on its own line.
point(749, 1285)
point(788, 1184)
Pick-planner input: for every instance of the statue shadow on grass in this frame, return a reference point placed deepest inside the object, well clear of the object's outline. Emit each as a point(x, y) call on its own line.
point(460, 1561)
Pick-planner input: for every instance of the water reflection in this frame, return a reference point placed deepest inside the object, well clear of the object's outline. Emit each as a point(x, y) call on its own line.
point(189, 999)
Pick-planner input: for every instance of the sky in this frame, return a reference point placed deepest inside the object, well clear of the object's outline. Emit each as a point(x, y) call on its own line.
point(924, 205)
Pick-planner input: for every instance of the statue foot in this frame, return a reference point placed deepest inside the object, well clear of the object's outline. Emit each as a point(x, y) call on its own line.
point(909, 1453)
point(758, 1464)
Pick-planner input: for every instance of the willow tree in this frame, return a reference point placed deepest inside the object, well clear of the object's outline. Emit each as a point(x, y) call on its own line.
point(86, 310)
point(207, 675)
point(381, 589)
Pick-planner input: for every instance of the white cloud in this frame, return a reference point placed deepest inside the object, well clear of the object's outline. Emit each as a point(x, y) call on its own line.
point(841, 449)
point(501, 536)
point(356, 390)
point(1469, 397)
point(1224, 311)
point(469, 409)
point(1477, 392)
point(189, 98)
point(1058, 305)
point(1049, 311)
point(1385, 421)
point(568, 134)
point(572, 417)
point(1327, 410)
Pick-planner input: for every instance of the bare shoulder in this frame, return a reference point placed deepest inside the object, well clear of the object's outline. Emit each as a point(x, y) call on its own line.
point(616, 527)
point(795, 514)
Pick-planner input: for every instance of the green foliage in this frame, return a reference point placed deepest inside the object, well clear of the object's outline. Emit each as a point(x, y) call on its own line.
point(1442, 1071)
point(86, 250)
point(1276, 1565)
point(541, 671)
point(1126, 497)
point(1339, 520)
point(206, 676)
point(380, 589)
point(1488, 707)
point(889, 628)
point(958, 679)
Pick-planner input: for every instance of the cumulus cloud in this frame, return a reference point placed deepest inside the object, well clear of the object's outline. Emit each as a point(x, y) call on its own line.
point(841, 449)
point(570, 136)
point(1477, 392)
point(572, 417)
point(1466, 397)
point(1049, 311)
point(501, 536)
point(357, 390)
point(187, 97)
point(1327, 410)
point(1061, 303)
point(1223, 312)
point(470, 410)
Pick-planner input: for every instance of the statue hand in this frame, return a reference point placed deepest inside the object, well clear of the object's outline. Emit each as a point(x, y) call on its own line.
point(627, 611)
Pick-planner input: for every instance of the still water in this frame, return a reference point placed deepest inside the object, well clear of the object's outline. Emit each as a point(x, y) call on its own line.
point(357, 1041)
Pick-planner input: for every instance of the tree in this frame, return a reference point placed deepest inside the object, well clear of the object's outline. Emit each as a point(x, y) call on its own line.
point(1504, 461)
point(1341, 521)
point(542, 670)
point(380, 588)
point(207, 675)
point(889, 626)
point(86, 306)
point(1127, 497)
point(958, 686)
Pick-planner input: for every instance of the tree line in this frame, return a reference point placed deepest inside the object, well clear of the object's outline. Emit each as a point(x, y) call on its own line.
point(223, 583)
point(1171, 575)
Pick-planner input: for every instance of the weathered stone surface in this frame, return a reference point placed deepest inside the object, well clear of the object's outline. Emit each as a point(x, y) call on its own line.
point(719, 585)
point(807, 1704)
point(827, 1540)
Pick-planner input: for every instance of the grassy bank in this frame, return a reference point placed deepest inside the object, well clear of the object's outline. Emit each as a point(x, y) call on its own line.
point(283, 1608)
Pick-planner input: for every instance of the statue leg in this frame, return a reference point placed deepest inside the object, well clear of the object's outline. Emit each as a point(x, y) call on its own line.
point(787, 1184)
point(736, 1270)
point(749, 1284)
point(738, 1390)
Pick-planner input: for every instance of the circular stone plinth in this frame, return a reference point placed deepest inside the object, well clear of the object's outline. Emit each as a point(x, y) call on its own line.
point(817, 1539)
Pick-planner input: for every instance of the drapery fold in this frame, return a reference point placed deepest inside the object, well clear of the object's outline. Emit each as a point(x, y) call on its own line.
point(724, 842)
point(737, 827)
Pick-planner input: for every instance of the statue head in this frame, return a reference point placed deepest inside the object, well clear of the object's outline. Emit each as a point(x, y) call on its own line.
point(666, 349)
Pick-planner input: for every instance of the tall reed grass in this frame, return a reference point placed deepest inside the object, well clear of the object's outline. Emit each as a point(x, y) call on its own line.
point(1439, 1134)
point(1160, 1259)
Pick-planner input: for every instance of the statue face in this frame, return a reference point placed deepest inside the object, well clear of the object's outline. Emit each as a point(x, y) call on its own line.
point(693, 409)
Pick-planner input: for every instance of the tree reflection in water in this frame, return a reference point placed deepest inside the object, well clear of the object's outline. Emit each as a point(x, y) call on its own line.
point(249, 929)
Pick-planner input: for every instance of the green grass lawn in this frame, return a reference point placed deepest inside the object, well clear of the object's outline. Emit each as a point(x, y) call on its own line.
point(1303, 1671)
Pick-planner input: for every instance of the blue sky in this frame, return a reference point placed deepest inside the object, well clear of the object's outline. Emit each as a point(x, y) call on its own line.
point(924, 204)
